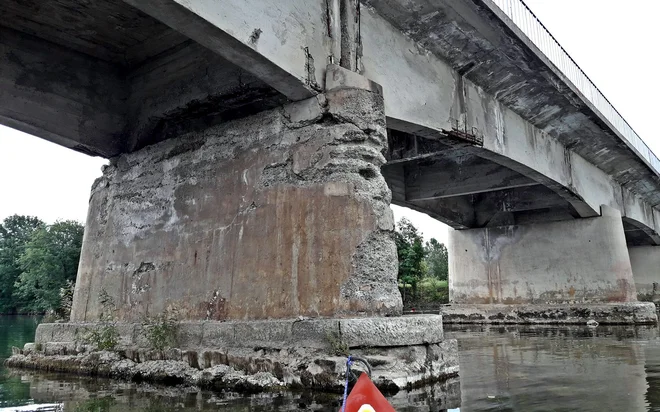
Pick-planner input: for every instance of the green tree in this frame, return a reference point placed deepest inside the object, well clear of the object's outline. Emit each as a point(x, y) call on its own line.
point(437, 259)
point(410, 249)
point(15, 232)
point(49, 261)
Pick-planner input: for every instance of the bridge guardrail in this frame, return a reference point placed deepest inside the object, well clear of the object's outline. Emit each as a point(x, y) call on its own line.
point(527, 22)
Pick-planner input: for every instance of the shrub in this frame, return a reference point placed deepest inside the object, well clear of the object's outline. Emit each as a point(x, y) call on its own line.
point(337, 346)
point(161, 330)
point(104, 335)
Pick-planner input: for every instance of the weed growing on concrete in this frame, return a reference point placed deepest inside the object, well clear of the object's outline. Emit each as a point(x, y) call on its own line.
point(161, 330)
point(409, 356)
point(337, 346)
point(104, 335)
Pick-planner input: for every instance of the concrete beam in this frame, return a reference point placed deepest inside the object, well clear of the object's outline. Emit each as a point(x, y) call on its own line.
point(407, 147)
point(638, 234)
point(478, 46)
point(449, 177)
point(284, 43)
point(456, 212)
point(532, 198)
point(59, 95)
point(186, 89)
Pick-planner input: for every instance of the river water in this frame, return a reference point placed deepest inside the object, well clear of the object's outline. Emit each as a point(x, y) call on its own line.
point(511, 368)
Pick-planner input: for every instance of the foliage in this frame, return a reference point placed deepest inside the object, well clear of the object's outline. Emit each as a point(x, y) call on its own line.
point(437, 259)
point(161, 330)
point(410, 249)
point(49, 261)
point(63, 311)
point(15, 233)
point(423, 268)
point(337, 346)
point(433, 290)
point(104, 334)
point(36, 262)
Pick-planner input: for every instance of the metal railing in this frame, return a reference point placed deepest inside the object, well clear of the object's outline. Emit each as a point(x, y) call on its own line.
point(518, 12)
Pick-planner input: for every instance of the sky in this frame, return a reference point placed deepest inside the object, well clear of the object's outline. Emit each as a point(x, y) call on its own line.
point(616, 43)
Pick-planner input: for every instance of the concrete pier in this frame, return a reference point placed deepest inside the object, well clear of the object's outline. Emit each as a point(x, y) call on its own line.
point(272, 239)
point(645, 262)
point(277, 215)
point(556, 265)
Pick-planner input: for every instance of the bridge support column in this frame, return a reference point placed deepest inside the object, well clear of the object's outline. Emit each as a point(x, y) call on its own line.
point(645, 262)
point(269, 234)
point(278, 215)
point(564, 272)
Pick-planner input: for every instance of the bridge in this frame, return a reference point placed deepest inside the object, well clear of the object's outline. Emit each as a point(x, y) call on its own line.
point(255, 147)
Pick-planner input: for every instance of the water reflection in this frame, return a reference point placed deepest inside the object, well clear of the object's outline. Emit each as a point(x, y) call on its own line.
point(100, 395)
point(14, 331)
point(652, 369)
point(518, 368)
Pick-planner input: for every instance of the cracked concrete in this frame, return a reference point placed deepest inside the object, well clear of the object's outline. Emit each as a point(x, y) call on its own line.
point(264, 201)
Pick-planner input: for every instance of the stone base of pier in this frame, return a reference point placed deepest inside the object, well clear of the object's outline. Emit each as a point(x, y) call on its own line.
point(405, 353)
point(624, 313)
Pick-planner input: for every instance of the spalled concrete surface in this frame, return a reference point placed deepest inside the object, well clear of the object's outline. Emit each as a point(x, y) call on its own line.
point(579, 261)
point(645, 263)
point(603, 313)
point(249, 220)
point(405, 352)
point(249, 370)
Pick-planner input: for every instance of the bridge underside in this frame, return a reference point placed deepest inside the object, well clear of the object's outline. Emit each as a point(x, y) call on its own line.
point(463, 186)
point(478, 131)
point(104, 78)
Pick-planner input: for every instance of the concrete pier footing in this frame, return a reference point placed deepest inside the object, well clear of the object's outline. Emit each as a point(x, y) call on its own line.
point(622, 313)
point(404, 352)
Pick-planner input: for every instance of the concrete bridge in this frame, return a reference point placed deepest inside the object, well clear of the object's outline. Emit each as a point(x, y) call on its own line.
point(255, 147)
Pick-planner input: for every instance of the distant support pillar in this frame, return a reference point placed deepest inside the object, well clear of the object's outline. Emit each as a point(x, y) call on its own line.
point(645, 262)
point(567, 271)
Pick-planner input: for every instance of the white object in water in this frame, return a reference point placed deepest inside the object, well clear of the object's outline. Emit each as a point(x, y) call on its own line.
point(44, 407)
point(592, 323)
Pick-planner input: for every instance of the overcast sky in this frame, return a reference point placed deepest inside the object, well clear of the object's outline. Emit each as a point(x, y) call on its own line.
point(615, 42)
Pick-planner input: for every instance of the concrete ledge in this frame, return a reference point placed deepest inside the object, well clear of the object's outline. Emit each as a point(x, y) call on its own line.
point(308, 333)
point(246, 369)
point(603, 313)
point(405, 352)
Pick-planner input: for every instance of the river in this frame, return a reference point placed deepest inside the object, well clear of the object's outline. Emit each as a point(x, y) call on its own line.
point(511, 368)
